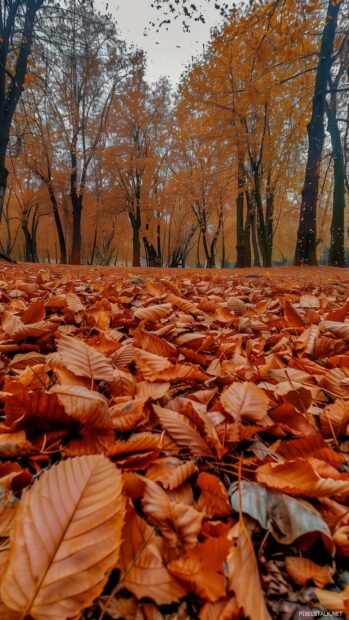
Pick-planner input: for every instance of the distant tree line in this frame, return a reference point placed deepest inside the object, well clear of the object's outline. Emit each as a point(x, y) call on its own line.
point(245, 163)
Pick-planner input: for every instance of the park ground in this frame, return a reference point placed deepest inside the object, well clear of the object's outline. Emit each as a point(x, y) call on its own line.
point(207, 389)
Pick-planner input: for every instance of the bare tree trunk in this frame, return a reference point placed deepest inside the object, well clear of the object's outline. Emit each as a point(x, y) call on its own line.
point(240, 237)
point(307, 237)
point(76, 202)
point(3, 184)
point(253, 228)
point(59, 227)
point(337, 249)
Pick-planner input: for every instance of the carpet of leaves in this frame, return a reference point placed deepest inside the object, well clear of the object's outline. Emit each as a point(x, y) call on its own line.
point(173, 444)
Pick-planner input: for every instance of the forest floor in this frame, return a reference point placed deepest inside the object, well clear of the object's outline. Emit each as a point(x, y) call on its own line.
point(222, 396)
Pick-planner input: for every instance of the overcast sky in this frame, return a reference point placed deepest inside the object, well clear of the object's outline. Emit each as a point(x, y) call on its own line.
point(164, 57)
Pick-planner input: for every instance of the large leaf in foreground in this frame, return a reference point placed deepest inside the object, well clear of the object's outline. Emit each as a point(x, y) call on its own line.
point(285, 517)
point(66, 537)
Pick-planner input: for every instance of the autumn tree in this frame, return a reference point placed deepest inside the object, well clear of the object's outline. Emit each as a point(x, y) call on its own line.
point(85, 64)
point(335, 111)
point(306, 236)
point(140, 130)
point(17, 24)
point(256, 110)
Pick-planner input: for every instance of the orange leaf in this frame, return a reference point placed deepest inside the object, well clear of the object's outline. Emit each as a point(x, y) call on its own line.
point(179, 523)
point(245, 401)
point(83, 360)
point(67, 535)
point(243, 574)
point(171, 472)
point(298, 477)
point(142, 568)
point(213, 500)
point(153, 313)
point(303, 570)
point(198, 576)
point(182, 431)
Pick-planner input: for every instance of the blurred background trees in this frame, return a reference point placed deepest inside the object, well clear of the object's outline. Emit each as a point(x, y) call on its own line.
point(233, 167)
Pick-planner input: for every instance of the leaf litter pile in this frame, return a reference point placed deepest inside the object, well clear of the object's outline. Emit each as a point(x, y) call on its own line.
point(174, 444)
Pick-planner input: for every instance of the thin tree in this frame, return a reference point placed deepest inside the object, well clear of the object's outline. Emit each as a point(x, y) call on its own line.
point(17, 23)
point(307, 237)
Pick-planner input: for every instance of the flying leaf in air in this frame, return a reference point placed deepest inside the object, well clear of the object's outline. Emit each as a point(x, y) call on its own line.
point(67, 536)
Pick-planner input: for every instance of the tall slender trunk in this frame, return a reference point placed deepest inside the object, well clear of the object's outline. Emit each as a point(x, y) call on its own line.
point(29, 246)
point(10, 96)
point(337, 250)
point(76, 236)
point(223, 256)
point(58, 223)
point(240, 236)
point(247, 232)
point(3, 184)
point(135, 219)
point(306, 236)
point(269, 224)
point(253, 225)
point(76, 202)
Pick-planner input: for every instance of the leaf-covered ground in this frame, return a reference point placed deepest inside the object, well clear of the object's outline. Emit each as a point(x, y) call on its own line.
point(174, 444)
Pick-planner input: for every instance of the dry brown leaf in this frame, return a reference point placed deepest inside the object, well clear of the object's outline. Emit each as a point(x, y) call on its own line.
point(150, 364)
point(171, 472)
point(127, 414)
point(182, 431)
point(86, 406)
point(141, 563)
point(83, 360)
point(198, 577)
point(8, 507)
point(302, 570)
point(153, 313)
point(333, 601)
point(245, 401)
point(243, 574)
point(154, 344)
point(224, 609)
point(179, 523)
point(67, 535)
point(299, 478)
point(213, 500)
point(334, 419)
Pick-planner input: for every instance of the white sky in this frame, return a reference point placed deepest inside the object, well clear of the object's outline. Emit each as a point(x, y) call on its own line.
point(164, 57)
